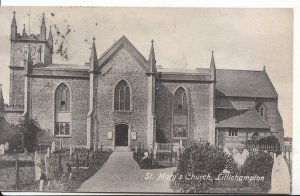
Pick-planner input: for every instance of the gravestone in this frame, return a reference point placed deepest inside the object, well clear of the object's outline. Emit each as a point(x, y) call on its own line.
point(2, 149)
point(226, 150)
point(53, 146)
point(235, 151)
point(280, 180)
point(47, 166)
point(37, 166)
point(48, 152)
point(245, 153)
point(6, 146)
point(71, 150)
point(238, 159)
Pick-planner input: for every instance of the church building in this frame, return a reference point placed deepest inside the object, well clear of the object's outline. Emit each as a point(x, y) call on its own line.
point(120, 98)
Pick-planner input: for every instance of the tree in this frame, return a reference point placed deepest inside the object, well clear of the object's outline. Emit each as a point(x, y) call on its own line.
point(260, 164)
point(29, 128)
point(201, 159)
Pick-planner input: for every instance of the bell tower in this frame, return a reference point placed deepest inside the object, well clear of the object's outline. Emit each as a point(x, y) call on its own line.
point(41, 55)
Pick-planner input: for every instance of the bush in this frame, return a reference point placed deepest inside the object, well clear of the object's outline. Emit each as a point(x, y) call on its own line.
point(199, 159)
point(259, 164)
point(29, 128)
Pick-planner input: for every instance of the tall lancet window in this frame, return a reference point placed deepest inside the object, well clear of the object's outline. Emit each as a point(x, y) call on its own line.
point(62, 111)
point(180, 114)
point(122, 96)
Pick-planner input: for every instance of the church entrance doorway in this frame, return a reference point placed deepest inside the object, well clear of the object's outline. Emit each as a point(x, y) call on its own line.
point(121, 135)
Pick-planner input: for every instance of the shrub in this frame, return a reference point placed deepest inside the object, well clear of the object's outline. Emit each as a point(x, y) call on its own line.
point(29, 128)
point(260, 164)
point(199, 159)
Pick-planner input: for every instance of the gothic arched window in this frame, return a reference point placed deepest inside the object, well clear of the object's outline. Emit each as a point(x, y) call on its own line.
point(180, 114)
point(62, 98)
point(62, 111)
point(122, 96)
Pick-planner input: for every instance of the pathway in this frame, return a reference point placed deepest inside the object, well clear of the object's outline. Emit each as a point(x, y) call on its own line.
point(121, 173)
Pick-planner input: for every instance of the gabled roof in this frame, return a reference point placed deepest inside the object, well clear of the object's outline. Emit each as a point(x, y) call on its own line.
point(244, 83)
point(126, 44)
point(247, 118)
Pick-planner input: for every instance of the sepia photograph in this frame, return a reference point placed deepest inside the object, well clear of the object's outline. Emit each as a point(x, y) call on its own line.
point(146, 100)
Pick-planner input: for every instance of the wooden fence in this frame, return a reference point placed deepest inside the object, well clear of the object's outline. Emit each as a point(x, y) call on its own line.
point(286, 152)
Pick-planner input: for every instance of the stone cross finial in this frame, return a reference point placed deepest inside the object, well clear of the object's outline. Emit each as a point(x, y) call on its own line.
point(152, 42)
point(14, 12)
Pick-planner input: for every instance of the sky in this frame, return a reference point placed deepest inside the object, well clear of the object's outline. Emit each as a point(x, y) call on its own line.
point(183, 38)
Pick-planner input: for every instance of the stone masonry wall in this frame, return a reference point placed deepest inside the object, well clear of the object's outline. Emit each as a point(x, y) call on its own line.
point(122, 66)
point(198, 110)
point(42, 106)
point(16, 91)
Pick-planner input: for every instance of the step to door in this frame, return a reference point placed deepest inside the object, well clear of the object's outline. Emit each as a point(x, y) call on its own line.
point(122, 149)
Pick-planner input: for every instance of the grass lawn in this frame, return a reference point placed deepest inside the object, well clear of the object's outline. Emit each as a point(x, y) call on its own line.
point(54, 181)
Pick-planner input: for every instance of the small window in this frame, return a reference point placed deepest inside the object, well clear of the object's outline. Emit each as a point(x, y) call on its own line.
point(233, 132)
point(261, 109)
point(62, 129)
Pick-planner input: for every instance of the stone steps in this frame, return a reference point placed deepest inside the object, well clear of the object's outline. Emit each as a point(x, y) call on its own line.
point(122, 149)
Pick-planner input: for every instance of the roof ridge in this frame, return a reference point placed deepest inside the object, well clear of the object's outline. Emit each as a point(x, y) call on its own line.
point(240, 70)
point(107, 50)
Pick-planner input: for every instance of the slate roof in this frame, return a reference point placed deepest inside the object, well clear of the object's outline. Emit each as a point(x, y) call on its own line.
point(246, 118)
point(244, 83)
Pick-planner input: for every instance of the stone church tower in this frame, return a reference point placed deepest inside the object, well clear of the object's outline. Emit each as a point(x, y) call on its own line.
point(41, 55)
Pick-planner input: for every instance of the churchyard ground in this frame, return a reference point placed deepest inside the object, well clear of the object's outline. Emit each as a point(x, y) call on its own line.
point(58, 178)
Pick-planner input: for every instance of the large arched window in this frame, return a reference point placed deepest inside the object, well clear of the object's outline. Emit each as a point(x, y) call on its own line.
point(62, 97)
point(180, 114)
point(62, 111)
point(122, 96)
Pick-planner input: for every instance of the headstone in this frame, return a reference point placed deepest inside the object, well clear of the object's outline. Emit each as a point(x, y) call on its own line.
point(280, 180)
point(238, 159)
point(41, 187)
point(46, 166)
point(53, 146)
point(226, 150)
point(2, 149)
point(48, 152)
point(225, 171)
point(71, 150)
point(6, 146)
point(245, 153)
point(37, 165)
point(235, 151)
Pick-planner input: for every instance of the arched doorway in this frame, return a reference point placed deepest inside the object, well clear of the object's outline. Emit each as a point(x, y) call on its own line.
point(121, 135)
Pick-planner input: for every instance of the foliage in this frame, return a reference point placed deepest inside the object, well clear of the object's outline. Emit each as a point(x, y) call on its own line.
point(199, 159)
point(260, 164)
point(29, 128)
point(10, 134)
